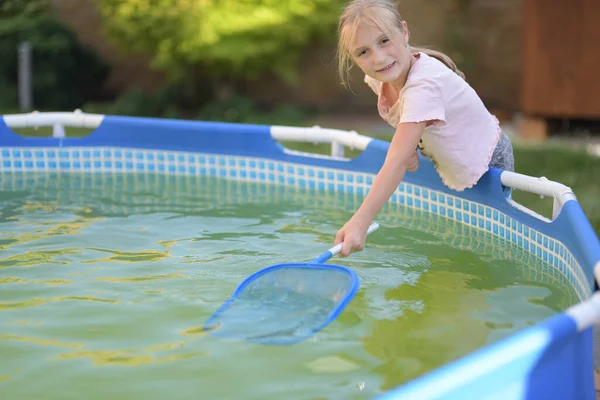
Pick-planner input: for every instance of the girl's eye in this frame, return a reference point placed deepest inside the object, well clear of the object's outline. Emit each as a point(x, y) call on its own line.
point(384, 41)
point(362, 53)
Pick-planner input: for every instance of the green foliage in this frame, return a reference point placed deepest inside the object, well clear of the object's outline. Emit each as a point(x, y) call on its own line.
point(559, 163)
point(227, 38)
point(17, 8)
point(64, 74)
point(170, 101)
point(242, 109)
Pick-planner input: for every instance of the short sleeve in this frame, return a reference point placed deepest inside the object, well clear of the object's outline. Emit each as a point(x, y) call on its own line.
point(423, 101)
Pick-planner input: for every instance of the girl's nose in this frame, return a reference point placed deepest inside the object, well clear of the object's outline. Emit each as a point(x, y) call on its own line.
point(378, 56)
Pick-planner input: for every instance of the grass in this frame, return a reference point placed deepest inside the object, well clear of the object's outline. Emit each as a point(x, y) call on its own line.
point(573, 168)
point(569, 166)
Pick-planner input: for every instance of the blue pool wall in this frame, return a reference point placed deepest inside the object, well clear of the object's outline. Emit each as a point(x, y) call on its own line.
point(558, 363)
point(578, 247)
point(548, 361)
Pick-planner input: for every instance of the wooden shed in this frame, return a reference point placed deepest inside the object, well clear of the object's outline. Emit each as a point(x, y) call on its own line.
point(560, 63)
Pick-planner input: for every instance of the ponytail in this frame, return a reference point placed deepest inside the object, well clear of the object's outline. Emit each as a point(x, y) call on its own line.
point(440, 56)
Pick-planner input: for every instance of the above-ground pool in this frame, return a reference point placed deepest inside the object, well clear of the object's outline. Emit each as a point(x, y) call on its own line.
point(119, 244)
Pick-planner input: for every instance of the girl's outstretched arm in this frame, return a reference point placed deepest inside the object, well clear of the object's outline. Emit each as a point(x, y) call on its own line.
point(401, 150)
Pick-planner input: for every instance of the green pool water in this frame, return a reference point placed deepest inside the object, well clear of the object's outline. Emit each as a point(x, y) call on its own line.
point(106, 280)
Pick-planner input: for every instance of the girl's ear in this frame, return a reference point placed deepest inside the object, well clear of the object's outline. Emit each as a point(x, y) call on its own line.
point(406, 31)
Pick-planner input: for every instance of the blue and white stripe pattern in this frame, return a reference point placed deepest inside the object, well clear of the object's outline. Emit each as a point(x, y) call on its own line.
point(145, 161)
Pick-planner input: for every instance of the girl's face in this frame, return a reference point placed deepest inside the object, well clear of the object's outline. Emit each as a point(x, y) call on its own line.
point(379, 56)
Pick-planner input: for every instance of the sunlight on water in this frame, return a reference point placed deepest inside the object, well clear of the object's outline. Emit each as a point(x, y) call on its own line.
point(106, 283)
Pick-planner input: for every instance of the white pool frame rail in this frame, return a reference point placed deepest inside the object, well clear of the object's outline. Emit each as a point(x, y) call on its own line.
point(339, 139)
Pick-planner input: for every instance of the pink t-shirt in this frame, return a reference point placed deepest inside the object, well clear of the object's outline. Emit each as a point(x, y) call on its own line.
point(463, 135)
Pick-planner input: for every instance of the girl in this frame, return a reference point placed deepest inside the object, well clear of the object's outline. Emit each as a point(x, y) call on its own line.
point(424, 96)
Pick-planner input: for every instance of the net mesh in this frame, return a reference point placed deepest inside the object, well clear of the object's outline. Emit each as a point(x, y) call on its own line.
point(285, 304)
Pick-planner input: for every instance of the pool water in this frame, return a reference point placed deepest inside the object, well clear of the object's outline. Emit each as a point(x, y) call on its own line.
point(106, 281)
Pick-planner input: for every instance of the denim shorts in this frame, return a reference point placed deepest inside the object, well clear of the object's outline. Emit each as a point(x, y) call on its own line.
point(503, 156)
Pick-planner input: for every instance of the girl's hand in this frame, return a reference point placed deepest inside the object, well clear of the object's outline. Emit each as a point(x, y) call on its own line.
point(413, 164)
point(354, 235)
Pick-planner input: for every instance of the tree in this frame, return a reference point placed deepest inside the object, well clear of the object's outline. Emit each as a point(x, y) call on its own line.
point(226, 38)
point(65, 74)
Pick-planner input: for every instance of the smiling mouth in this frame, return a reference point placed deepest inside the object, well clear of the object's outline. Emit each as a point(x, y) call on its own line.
point(386, 67)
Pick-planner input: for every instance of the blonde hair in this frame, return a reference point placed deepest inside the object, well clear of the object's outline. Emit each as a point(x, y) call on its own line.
point(385, 15)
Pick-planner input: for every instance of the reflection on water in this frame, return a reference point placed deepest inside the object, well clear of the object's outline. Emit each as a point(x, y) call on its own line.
point(36, 281)
point(128, 358)
point(141, 278)
point(45, 342)
point(102, 272)
point(130, 256)
point(10, 305)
